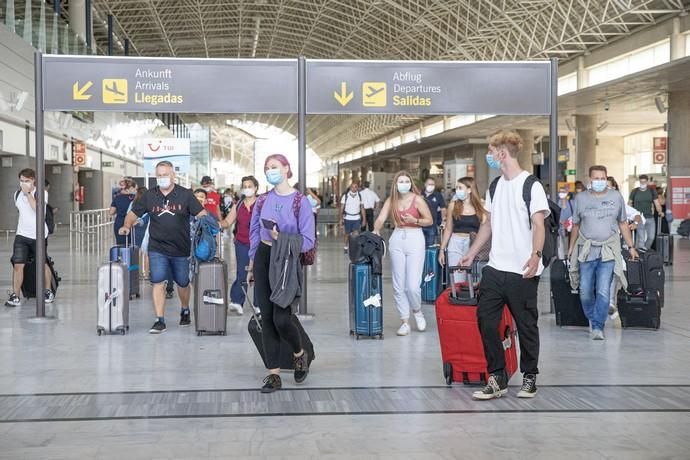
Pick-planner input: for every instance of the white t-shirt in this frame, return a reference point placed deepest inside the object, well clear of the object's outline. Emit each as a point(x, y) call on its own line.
point(511, 235)
point(26, 224)
point(352, 206)
point(369, 198)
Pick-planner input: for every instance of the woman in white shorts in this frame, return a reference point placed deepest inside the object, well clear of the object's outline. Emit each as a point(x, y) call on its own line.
point(465, 215)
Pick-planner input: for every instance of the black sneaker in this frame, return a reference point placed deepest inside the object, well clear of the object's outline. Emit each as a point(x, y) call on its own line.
point(529, 386)
point(49, 296)
point(272, 383)
point(13, 301)
point(185, 318)
point(301, 366)
point(157, 328)
point(169, 294)
point(495, 388)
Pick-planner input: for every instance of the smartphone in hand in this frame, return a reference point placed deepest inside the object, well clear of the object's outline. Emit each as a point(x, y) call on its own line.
point(269, 224)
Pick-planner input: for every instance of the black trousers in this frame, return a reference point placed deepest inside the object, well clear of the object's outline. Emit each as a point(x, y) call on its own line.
point(369, 213)
point(276, 322)
point(498, 289)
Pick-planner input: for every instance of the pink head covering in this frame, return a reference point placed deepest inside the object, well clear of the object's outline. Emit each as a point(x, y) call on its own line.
point(280, 158)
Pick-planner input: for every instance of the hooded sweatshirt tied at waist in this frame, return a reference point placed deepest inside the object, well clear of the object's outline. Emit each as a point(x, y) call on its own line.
point(610, 250)
point(285, 272)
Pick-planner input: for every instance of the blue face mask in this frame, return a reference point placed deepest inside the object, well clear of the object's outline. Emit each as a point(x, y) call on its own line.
point(274, 176)
point(492, 162)
point(460, 195)
point(404, 187)
point(599, 185)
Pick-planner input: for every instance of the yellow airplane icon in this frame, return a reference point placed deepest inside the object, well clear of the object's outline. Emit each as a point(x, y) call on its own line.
point(114, 91)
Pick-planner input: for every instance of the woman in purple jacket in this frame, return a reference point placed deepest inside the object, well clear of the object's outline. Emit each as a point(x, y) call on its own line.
point(274, 213)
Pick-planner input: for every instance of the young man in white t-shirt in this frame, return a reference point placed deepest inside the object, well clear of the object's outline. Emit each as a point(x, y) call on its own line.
point(371, 201)
point(24, 248)
point(515, 263)
point(352, 216)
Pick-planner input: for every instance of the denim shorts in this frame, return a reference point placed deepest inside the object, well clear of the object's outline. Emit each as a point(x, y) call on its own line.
point(161, 265)
point(353, 225)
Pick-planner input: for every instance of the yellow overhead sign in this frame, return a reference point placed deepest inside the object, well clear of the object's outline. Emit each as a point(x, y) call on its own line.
point(343, 97)
point(79, 93)
point(114, 91)
point(374, 94)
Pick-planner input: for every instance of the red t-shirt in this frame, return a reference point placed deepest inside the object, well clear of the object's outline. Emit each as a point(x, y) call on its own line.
point(212, 202)
point(244, 220)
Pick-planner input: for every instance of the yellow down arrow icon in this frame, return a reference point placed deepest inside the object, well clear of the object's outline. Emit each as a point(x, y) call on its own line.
point(79, 94)
point(344, 98)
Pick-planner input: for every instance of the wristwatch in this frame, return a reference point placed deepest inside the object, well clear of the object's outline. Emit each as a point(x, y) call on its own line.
point(537, 253)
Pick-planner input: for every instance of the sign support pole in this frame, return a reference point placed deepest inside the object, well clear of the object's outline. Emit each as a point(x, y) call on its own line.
point(302, 160)
point(40, 191)
point(553, 130)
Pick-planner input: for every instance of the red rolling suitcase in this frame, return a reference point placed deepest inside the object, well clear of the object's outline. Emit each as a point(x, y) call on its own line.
point(461, 343)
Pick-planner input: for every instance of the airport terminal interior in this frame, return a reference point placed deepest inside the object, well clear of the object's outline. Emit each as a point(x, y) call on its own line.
point(95, 94)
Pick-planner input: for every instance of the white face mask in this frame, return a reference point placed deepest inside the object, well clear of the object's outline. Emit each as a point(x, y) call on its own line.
point(430, 188)
point(248, 192)
point(163, 182)
point(643, 186)
point(562, 195)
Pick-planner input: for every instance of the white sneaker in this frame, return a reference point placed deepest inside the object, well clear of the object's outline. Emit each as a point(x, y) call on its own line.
point(597, 334)
point(404, 330)
point(237, 308)
point(421, 322)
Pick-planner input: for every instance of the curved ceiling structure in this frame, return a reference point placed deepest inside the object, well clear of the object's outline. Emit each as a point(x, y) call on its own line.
point(376, 29)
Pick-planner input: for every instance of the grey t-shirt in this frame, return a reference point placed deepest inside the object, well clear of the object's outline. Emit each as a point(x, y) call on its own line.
point(598, 216)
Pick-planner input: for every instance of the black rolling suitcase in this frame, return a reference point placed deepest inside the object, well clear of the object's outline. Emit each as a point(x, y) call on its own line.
point(29, 282)
point(286, 355)
point(639, 311)
point(664, 245)
point(566, 303)
point(640, 305)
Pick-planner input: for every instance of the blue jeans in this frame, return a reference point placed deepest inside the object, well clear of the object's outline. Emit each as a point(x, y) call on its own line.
point(430, 234)
point(595, 287)
point(163, 266)
point(242, 258)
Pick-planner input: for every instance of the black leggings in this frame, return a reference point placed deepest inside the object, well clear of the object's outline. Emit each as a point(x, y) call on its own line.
point(276, 322)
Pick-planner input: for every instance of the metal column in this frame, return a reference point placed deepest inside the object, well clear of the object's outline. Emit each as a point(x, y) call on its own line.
point(40, 188)
point(553, 130)
point(126, 46)
point(302, 157)
point(89, 26)
point(110, 35)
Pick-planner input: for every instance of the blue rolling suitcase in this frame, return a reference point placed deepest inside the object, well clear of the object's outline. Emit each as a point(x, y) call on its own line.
point(365, 301)
point(129, 256)
point(432, 278)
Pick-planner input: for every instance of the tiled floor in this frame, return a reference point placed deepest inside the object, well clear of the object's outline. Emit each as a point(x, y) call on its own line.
point(598, 400)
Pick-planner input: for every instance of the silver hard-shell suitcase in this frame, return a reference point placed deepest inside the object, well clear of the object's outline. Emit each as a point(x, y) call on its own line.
point(113, 299)
point(211, 297)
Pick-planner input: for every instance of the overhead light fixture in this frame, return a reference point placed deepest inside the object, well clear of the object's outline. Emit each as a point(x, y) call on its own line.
point(660, 104)
point(602, 126)
point(569, 123)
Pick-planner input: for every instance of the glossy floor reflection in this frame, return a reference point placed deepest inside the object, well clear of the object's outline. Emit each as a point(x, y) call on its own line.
point(66, 356)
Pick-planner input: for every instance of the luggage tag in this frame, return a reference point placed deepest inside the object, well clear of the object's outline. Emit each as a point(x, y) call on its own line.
point(213, 297)
point(373, 301)
point(429, 276)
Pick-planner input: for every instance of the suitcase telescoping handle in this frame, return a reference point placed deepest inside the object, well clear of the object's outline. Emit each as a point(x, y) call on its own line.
point(244, 285)
point(459, 268)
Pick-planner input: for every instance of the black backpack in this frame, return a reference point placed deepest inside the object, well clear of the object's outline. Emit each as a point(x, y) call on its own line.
point(50, 218)
point(551, 223)
point(684, 228)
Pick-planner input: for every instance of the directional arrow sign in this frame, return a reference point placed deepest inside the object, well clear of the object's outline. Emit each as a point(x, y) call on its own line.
point(79, 94)
point(343, 97)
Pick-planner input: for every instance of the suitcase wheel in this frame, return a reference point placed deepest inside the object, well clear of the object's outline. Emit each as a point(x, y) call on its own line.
point(381, 336)
point(356, 336)
point(198, 334)
point(224, 333)
point(122, 332)
point(352, 333)
point(100, 332)
point(448, 373)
